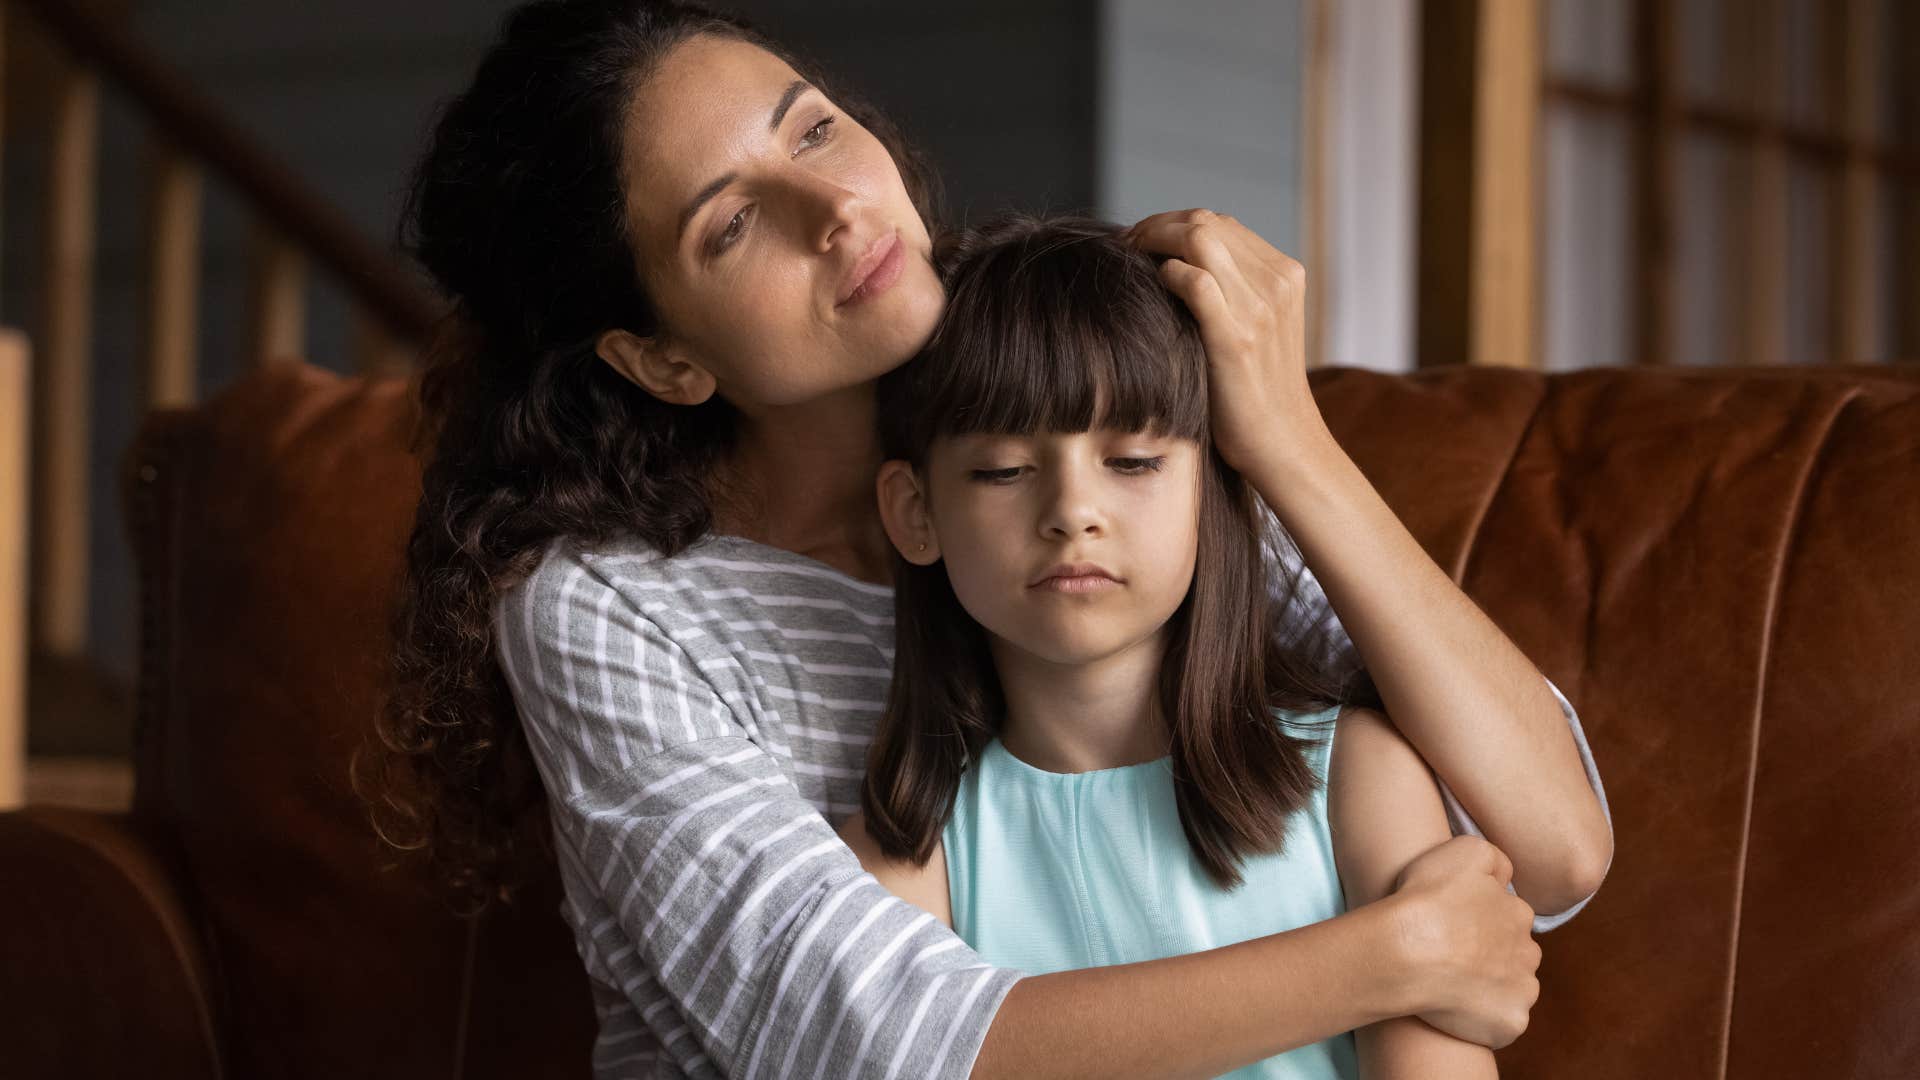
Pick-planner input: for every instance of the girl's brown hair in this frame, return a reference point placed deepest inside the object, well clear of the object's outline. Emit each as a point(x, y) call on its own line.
point(516, 209)
point(1059, 326)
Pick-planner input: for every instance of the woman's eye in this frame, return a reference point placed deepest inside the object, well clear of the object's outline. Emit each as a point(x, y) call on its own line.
point(818, 133)
point(996, 476)
point(1134, 466)
point(736, 227)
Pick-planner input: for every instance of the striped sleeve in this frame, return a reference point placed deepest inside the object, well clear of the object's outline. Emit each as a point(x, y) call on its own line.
point(1309, 617)
point(744, 931)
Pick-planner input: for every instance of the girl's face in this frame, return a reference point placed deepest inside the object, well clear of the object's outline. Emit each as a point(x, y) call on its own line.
point(756, 207)
point(1118, 510)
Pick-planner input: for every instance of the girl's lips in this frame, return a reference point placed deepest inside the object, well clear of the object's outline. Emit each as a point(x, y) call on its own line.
point(1082, 583)
point(883, 274)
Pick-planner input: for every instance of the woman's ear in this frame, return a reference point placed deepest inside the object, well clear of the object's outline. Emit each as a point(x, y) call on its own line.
point(656, 366)
point(904, 511)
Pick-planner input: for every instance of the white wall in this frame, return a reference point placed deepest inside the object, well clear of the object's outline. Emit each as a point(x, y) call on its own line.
point(1372, 135)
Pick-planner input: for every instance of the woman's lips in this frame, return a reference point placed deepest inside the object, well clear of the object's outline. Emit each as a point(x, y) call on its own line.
point(881, 274)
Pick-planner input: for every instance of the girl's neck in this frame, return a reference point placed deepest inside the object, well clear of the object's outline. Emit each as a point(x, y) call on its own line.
point(800, 477)
point(1071, 718)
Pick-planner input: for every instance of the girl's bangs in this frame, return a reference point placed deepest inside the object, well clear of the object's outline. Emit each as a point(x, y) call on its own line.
point(1061, 330)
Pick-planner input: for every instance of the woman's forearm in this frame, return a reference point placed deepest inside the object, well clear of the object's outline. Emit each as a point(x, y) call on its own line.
point(1205, 1013)
point(1405, 1048)
point(1462, 693)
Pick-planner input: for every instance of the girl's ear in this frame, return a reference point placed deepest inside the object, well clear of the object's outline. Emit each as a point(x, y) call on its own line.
point(656, 366)
point(904, 511)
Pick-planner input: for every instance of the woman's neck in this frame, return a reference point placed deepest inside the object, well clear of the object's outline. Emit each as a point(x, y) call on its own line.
point(800, 477)
point(1070, 718)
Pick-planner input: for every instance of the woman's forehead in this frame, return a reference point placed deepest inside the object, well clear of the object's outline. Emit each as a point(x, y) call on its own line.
point(703, 110)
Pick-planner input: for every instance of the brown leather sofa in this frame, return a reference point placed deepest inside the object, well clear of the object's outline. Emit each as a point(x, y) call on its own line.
point(1720, 567)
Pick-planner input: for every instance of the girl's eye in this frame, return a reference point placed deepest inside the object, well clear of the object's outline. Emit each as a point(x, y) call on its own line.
point(1135, 466)
point(996, 476)
point(818, 133)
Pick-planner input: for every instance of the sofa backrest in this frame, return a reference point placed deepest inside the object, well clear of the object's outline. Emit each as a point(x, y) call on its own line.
point(268, 527)
point(1721, 568)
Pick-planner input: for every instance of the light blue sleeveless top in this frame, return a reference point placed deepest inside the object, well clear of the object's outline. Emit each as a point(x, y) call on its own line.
point(1055, 871)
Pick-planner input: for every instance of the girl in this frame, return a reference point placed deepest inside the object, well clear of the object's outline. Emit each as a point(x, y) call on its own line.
point(1096, 750)
point(647, 613)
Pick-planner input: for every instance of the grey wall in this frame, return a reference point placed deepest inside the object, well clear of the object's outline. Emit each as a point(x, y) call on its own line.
point(1200, 106)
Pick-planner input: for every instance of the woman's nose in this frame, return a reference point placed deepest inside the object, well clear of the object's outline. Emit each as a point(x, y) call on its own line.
point(830, 209)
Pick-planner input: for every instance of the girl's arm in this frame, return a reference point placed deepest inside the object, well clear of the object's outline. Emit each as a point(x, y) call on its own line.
point(1384, 809)
point(925, 887)
point(1464, 695)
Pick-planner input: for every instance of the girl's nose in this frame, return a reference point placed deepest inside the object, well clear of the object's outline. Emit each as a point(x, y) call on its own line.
point(1071, 512)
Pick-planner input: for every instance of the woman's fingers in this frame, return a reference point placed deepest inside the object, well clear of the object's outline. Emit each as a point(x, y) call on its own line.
point(1203, 247)
point(1245, 246)
point(1200, 291)
point(1251, 271)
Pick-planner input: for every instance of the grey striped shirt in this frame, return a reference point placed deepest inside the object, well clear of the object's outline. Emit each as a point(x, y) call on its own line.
point(700, 722)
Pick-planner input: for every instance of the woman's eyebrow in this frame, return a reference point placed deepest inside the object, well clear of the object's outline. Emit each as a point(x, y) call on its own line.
point(787, 98)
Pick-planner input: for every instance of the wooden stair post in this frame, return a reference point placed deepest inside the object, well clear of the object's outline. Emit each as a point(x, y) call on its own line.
point(15, 419)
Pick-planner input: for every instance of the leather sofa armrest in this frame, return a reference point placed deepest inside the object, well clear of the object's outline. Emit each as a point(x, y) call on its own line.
point(102, 971)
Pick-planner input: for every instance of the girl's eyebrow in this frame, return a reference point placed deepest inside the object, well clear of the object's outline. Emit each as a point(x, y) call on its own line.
point(787, 98)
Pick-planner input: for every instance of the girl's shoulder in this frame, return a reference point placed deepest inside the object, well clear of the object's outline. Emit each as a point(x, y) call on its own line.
point(1316, 728)
point(1383, 803)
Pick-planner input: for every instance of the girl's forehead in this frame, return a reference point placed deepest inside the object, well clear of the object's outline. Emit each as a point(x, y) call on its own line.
point(988, 439)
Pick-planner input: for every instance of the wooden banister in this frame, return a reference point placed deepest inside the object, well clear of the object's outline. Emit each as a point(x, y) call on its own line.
point(14, 413)
point(187, 119)
point(173, 277)
point(277, 271)
point(63, 392)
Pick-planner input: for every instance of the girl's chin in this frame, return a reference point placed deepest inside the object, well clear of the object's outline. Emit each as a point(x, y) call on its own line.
point(1071, 651)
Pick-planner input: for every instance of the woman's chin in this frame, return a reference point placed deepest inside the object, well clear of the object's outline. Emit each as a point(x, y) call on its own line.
point(913, 312)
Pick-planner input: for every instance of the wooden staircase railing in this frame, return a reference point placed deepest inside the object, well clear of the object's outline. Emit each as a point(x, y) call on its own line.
point(294, 228)
point(13, 567)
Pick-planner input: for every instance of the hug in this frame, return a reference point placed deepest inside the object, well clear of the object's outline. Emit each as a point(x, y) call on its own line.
point(761, 504)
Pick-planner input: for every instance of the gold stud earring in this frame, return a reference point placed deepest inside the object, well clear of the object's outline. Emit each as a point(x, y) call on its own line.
point(923, 545)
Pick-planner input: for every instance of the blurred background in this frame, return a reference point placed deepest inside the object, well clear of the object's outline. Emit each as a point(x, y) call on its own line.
point(191, 189)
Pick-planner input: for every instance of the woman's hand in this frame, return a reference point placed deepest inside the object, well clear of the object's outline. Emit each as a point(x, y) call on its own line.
point(1250, 301)
point(1470, 942)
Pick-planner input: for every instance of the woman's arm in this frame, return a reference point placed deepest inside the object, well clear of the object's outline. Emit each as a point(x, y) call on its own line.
point(751, 942)
point(1463, 694)
point(1384, 810)
point(1211, 1012)
point(1457, 688)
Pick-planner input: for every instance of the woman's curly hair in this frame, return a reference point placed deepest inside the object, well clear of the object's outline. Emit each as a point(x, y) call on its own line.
point(516, 210)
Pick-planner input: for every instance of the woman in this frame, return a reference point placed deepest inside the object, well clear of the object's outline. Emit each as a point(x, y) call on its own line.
point(647, 586)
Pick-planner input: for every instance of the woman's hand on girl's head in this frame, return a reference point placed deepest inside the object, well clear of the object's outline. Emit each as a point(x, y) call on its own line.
point(1250, 302)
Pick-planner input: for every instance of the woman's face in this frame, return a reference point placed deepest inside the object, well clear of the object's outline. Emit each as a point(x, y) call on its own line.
point(756, 207)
